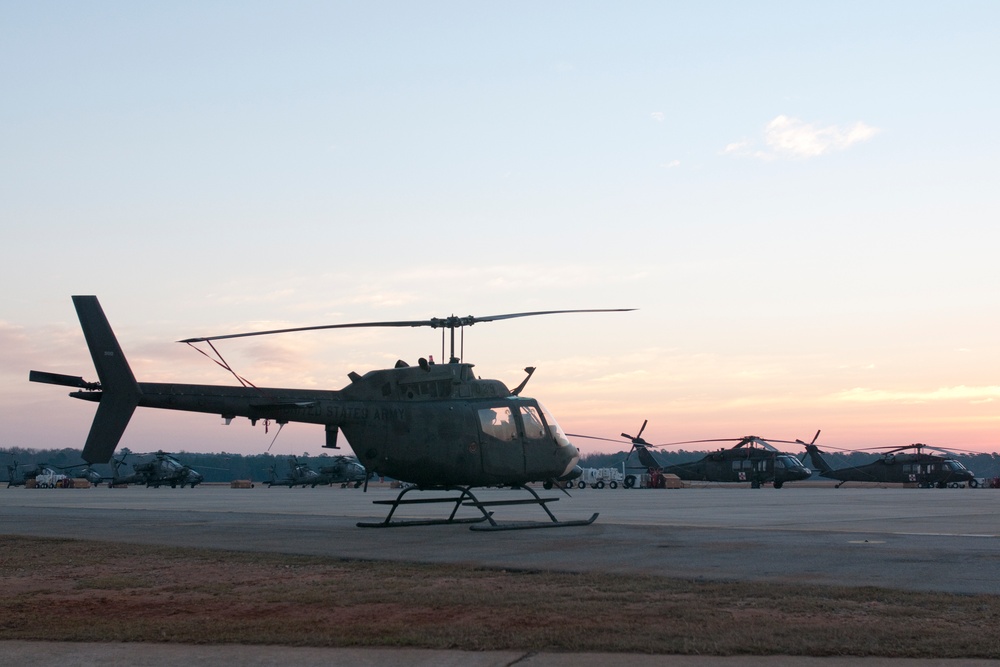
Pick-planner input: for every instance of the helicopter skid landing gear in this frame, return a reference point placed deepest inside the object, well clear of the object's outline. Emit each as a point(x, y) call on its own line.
point(467, 499)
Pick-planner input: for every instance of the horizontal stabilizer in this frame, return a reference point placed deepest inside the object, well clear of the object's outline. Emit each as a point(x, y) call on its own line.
point(64, 380)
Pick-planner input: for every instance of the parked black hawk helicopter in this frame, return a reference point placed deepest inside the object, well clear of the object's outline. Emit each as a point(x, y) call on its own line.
point(751, 459)
point(434, 425)
point(891, 467)
point(163, 470)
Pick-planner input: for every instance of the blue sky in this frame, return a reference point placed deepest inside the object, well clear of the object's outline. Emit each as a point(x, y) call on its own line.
point(800, 198)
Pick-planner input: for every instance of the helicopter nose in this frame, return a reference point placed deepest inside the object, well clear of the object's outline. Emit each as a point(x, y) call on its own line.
point(572, 472)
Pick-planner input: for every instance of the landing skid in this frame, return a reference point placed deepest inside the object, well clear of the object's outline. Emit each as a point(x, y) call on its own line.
point(466, 498)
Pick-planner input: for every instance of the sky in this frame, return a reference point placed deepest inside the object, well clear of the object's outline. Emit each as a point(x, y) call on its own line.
point(799, 199)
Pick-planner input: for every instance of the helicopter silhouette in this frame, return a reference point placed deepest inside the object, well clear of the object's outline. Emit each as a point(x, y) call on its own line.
point(436, 426)
point(751, 459)
point(15, 478)
point(345, 470)
point(50, 474)
point(299, 474)
point(163, 470)
point(891, 467)
point(85, 471)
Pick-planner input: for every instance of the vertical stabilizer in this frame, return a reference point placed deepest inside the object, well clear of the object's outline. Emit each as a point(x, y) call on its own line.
point(646, 458)
point(119, 390)
point(817, 460)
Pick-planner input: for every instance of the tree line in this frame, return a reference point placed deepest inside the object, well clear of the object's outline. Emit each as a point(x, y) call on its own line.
point(225, 467)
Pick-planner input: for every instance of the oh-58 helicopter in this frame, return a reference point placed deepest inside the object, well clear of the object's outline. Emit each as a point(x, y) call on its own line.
point(918, 467)
point(434, 425)
point(751, 459)
point(163, 470)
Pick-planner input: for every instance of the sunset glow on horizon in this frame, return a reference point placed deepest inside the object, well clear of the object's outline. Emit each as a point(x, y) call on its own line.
point(800, 203)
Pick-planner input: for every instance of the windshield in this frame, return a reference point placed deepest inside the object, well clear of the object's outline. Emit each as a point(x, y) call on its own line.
point(787, 462)
point(557, 433)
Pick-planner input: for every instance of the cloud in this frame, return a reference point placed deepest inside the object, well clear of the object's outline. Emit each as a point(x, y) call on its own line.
point(787, 137)
point(960, 393)
point(791, 136)
point(658, 116)
point(737, 148)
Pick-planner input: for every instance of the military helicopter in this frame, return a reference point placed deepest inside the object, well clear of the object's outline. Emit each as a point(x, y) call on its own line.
point(345, 471)
point(50, 474)
point(921, 468)
point(437, 426)
point(751, 459)
point(85, 471)
point(15, 478)
point(163, 470)
point(299, 474)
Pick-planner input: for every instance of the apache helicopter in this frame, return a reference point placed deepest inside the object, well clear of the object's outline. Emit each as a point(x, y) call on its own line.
point(50, 474)
point(436, 426)
point(925, 470)
point(14, 478)
point(751, 459)
point(299, 474)
point(163, 470)
point(345, 470)
point(85, 472)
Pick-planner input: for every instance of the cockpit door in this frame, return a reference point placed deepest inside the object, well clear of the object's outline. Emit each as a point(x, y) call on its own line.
point(500, 441)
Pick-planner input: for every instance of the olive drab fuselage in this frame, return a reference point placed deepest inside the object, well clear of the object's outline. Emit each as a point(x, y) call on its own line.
point(918, 468)
point(753, 466)
point(735, 464)
point(430, 424)
point(422, 424)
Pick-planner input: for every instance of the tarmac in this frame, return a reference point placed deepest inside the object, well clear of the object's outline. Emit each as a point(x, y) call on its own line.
point(945, 540)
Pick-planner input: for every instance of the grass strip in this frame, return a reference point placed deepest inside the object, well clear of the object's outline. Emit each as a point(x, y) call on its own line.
point(75, 590)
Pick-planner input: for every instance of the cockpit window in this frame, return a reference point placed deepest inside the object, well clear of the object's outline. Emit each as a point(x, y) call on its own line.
point(534, 427)
point(787, 462)
point(498, 422)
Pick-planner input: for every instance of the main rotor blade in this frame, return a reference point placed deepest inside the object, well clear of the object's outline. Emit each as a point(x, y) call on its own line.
point(742, 441)
point(694, 442)
point(918, 446)
point(892, 450)
point(451, 322)
point(594, 437)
